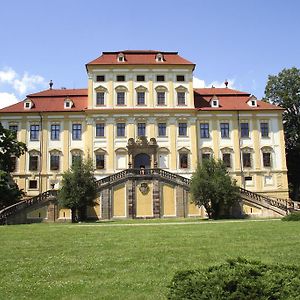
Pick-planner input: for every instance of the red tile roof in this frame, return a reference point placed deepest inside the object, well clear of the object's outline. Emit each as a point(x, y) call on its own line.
point(228, 100)
point(51, 101)
point(219, 91)
point(140, 57)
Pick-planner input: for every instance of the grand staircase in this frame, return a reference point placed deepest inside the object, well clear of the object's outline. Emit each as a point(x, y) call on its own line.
point(280, 206)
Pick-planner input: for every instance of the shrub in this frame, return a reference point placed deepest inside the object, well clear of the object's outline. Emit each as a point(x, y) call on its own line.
point(237, 279)
point(294, 216)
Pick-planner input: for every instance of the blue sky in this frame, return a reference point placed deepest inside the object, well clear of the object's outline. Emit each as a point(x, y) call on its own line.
point(242, 41)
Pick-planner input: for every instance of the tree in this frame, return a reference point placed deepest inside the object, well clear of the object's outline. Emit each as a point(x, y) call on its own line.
point(9, 148)
point(284, 90)
point(78, 189)
point(213, 188)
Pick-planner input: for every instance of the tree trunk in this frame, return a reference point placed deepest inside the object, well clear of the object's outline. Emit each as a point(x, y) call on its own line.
point(74, 215)
point(82, 214)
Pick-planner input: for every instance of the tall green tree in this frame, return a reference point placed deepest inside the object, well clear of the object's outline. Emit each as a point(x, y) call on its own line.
point(213, 188)
point(78, 189)
point(9, 148)
point(284, 90)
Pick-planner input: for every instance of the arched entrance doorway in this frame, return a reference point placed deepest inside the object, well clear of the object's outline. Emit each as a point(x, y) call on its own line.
point(142, 160)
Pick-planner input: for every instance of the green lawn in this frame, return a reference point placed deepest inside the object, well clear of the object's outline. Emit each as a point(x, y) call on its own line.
point(93, 261)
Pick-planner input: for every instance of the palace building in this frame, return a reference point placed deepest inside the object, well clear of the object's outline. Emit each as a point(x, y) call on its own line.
point(146, 128)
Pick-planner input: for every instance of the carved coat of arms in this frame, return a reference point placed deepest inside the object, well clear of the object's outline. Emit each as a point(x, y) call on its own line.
point(144, 188)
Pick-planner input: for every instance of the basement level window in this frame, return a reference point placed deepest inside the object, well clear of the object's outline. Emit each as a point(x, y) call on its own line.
point(33, 184)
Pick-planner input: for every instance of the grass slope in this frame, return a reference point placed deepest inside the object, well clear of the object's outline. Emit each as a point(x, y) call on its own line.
point(64, 261)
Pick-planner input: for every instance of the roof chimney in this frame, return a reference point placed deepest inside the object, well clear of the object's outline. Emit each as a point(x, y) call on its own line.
point(50, 84)
point(226, 83)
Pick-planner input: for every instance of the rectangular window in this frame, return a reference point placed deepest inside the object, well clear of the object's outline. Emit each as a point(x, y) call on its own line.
point(180, 78)
point(181, 98)
point(264, 129)
point(33, 162)
point(140, 78)
point(100, 78)
point(76, 132)
point(32, 184)
point(100, 98)
point(141, 98)
point(100, 161)
point(224, 130)
point(54, 162)
point(160, 78)
point(227, 159)
point(120, 78)
point(267, 159)
point(141, 128)
point(13, 167)
point(245, 130)
point(120, 98)
point(55, 131)
point(34, 132)
point(246, 160)
point(14, 129)
point(205, 156)
point(161, 98)
point(100, 129)
point(182, 129)
point(162, 129)
point(204, 130)
point(121, 129)
point(183, 160)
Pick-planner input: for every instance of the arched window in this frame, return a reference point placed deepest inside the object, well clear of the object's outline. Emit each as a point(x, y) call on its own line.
point(227, 156)
point(34, 160)
point(121, 158)
point(161, 92)
point(247, 157)
point(267, 154)
point(181, 95)
point(184, 157)
point(141, 95)
point(101, 92)
point(163, 158)
point(121, 92)
point(55, 160)
point(100, 161)
point(206, 153)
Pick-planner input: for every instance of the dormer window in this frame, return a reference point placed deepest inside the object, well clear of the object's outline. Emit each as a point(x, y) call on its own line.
point(252, 101)
point(159, 57)
point(68, 103)
point(121, 57)
point(214, 101)
point(28, 104)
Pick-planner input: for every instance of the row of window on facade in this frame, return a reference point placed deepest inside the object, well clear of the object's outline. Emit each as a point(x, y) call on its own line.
point(140, 78)
point(183, 157)
point(141, 130)
point(141, 98)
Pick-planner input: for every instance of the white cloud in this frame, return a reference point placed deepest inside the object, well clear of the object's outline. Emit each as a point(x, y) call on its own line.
point(7, 75)
point(27, 82)
point(18, 85)
point(7, 99)
point(200, 83)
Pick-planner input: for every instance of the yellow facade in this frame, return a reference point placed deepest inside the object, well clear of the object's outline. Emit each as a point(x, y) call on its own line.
point(171, 145)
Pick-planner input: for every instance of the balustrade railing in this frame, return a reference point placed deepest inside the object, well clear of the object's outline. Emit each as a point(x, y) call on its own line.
point(276, 202)
point(13, 209)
